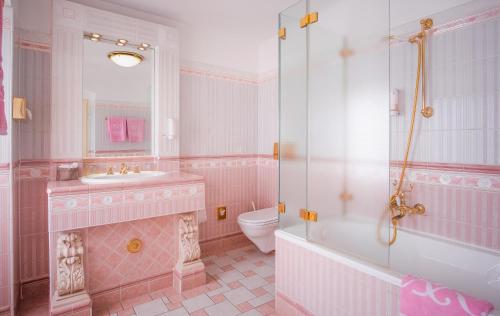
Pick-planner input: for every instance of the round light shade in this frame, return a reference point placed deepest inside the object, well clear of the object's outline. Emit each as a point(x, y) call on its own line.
point(126, 59)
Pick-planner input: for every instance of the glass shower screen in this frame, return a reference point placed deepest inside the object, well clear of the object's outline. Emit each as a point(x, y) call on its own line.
point(341, 121)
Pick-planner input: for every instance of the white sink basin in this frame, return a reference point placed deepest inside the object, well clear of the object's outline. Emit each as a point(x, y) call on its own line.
point(102, 178)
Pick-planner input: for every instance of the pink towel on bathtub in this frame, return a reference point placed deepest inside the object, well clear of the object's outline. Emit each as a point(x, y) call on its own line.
point(117, 128)
point(135, 129)
point(420, 297)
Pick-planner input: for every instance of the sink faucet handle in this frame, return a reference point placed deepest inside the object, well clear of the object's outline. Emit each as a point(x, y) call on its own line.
point(109, 171)
point(123, 168)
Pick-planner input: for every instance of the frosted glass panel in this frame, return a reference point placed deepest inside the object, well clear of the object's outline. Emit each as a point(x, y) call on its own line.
point(293, 126)
point(349, 127)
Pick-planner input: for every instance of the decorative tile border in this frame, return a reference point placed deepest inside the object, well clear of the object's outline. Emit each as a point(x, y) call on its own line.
point(84, 210)
point(477, 181)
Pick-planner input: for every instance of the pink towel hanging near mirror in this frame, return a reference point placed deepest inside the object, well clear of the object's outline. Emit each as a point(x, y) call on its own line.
point(135, 129)
point(117, 128)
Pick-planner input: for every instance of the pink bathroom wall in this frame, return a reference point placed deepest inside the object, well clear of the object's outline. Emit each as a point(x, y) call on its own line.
point(460, 205)
point(226, 117)
point(456, 152)
point(267, 181)
point(268, 126)
point(268, 113)
point(329, 288)
point(218, 113)
point(5, 231)
point(230, 181)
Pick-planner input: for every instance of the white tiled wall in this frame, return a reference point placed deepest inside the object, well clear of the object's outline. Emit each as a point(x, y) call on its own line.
point(218, 115)
point(464, 90)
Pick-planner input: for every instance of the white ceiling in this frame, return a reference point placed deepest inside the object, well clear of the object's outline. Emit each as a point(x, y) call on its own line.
point(254, 18)
point(225, 33)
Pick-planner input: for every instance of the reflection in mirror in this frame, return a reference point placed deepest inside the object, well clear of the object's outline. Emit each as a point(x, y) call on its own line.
point(118, 81)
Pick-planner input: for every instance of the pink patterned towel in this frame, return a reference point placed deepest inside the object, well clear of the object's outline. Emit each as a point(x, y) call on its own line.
point(135, 129)
point(117, 128)
point(422, 298)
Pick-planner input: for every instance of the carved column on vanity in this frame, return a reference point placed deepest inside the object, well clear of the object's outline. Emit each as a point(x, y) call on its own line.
point(70, 293)
point(189, 271)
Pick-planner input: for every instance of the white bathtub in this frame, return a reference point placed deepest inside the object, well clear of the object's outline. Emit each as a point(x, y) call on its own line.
point(469, 269)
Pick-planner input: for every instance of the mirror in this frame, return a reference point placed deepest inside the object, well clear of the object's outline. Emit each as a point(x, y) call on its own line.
point(118, 83)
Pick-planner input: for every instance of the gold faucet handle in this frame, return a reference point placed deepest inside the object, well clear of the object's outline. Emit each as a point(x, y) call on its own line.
point(137, 169)
point(123, 169)
point(109, 171)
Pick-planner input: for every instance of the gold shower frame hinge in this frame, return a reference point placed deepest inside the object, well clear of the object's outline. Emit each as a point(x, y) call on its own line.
point(310, 18)
point(308, 215)
point(276, 151)
point(282, 33)
point(281, 207)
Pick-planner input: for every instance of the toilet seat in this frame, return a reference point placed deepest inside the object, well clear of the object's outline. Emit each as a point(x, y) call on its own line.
point(260, 217)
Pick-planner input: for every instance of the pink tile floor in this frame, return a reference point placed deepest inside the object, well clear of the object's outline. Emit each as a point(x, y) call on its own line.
point(239, 282)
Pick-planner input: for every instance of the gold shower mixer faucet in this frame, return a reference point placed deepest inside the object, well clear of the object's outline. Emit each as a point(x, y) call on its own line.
point(399, 209)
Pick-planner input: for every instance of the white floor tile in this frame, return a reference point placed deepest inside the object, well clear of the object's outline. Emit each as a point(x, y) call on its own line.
point(263, 299)
point(155, 307)
point(243, 266)
point(222, 309)
point(239, 295)
point(230, 276)
point(252, 312)
point(253, 282)
point(270, 288)
point(236, 253)
point(264, 271)
point(223, 261)
point(177, 312)
point(197, 302)
point(213, 269)
point(222, 289)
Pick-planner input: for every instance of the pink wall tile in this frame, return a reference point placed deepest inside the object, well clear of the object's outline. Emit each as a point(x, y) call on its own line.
point(218, 116)
point(230, 182)
point(6, 255)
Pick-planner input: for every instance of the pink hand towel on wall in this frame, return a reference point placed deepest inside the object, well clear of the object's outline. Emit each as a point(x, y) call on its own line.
point(117, 128)
point(420, 297)
point(135, 129)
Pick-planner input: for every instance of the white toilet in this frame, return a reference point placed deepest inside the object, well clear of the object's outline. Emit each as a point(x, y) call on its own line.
point(259, 227)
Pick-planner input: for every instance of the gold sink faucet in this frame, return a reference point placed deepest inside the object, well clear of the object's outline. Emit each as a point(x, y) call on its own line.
point(123, 169)
point(110, 172)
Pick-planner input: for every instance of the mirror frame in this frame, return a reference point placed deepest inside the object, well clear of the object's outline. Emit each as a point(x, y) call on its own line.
point(70, 22)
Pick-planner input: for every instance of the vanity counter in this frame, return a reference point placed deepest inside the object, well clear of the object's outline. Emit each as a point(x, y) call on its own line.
point(73, 204)
point(77, 186)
